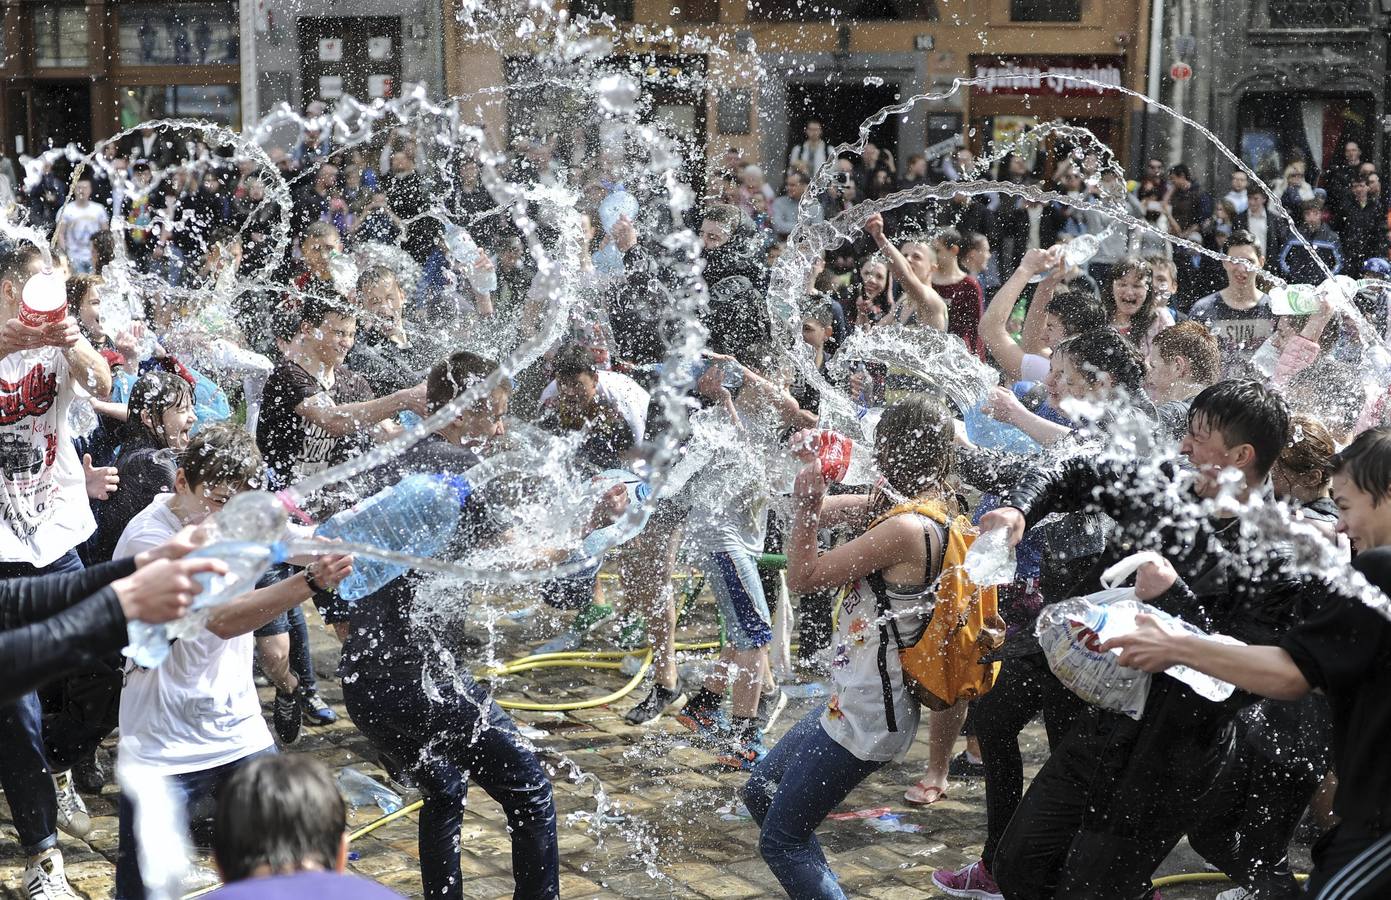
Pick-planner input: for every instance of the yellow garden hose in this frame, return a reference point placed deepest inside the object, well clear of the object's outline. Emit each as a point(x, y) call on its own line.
point(579, 659)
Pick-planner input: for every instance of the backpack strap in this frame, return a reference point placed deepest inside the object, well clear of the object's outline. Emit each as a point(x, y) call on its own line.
point(936, 549)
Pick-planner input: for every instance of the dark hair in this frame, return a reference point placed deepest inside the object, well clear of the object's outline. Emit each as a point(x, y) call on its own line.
point(313, 309)
point(727, 217)
point(223, 453)
point(1314, 204)
point(103, 250)
point(949, 237)
point(282, 811)
point(1181, 170)
point(1079, 311)
point(373, 275)
point(156, 393)
point(17, 261)
point(1105, 351)
point(453, 376)
point(1367, 461)
point(1242, 238)
point(1246, 412)
point(819, 310)
point(77, 288)
point(1144, 318)
point(913, 445)
point(1192, 341)
point(571, 362)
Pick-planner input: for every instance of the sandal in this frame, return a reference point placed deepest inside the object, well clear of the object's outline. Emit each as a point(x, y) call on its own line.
point(924, 794)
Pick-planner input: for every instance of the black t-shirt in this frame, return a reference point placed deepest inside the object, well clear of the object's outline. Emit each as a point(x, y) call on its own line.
point(1343, 647)
point(292, 445)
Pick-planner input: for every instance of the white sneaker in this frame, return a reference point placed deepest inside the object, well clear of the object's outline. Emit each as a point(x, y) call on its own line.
point(1234, 894)
point(72, 810)
point(44, 878)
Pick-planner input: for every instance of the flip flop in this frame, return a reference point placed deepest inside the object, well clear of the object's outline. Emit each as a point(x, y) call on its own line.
point(924, 794)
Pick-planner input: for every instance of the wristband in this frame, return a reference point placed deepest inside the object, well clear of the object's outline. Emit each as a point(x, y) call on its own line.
point(314, 585)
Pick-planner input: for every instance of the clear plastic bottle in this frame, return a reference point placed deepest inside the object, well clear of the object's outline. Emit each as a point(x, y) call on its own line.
point(343, 271)
point(416, 516)
point(467, 254)
point(359, 790)
point(1077, 252)
point(246, 537)
point(612, 535)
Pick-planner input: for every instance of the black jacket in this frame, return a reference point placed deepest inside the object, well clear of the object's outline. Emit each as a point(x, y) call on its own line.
point(51, 625)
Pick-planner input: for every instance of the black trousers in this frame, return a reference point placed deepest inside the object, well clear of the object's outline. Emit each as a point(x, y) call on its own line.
point(1246, 822)
point(1103, 813)
point(1351, 863)
point(1025, 687)
point(80, 710)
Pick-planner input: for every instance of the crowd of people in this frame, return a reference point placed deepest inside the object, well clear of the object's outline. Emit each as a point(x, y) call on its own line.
point(245, 364)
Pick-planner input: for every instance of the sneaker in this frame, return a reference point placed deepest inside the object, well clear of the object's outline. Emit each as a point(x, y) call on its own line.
point(658, 701)
point(591, 617)
point(770, 706)
point(89, 774)
point(44, 878)
point(962, 766)
point(633, 634)
point(1234, 894)
point(72, 811)
point(316, 711)
point(973, 881)
point(710, 726)
point(745, 756)
point(286, 716)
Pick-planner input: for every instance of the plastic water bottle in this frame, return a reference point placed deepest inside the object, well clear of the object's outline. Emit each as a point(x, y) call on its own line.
point(343, 271)
point(990, 561)
point(618, 204)
point(466, 253)
point(359, 790)
point(612, 535)
point(1294, 300)
point(246, 537)
point(416, 516)
point(1076, 252)
point(44, 299)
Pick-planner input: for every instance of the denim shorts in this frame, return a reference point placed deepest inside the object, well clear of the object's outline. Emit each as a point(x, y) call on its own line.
point(733, 577)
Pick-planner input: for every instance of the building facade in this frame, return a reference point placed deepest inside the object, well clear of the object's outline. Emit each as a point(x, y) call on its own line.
point(854, 57)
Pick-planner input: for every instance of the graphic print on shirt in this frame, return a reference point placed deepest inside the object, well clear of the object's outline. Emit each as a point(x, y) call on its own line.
point(29, 423)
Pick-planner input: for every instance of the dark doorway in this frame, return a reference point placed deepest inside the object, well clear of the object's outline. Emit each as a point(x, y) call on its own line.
point(842, 108)
point(60, 113)
point(349, 55)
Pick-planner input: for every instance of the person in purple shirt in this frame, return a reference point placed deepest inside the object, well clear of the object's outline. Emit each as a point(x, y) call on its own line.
point(281, 832)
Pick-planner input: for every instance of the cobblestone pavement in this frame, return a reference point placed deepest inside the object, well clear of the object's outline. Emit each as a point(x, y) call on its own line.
point(674, 827)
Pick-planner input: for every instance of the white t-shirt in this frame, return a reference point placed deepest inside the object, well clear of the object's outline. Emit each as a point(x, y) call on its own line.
point(199, 709)
point(43, 493)
point(82, 223)
point(626, 395)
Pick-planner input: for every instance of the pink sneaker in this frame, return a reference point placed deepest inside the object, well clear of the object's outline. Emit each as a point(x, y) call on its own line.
point(974, 881)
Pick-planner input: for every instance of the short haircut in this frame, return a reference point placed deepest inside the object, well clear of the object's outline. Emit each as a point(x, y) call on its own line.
point(78, 286)
point(1079, 311)
point(1105, 351)
point(451, 377)
point(281, 811)
point(1192, 341)
point(1367, 463)
point(1242, 238)
point(17, 261)
point(1181, 170)
point(1163, 264)
point(320, 230)
point(818, 309)
point(571, 362)
point(725, 216)
point(375, 275)
point(1313, 204)
point(1309, 457)
point(313, 309)
point(1246, 412)
point(223, 453)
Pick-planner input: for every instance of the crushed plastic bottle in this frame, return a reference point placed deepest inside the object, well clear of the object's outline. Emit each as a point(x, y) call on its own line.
point(359, 790)
point(246, 536)
point(990, 561)
point(465, 252)
point(610, 536)
point(1078, 251)
point(416, 516)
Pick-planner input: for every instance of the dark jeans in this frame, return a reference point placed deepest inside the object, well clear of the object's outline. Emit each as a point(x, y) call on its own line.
point(24, 771)
point(194, 788)
point(1351, 864)
point(1246, 822)
point(1025, 687)
point(447, 739)
point(790, 793)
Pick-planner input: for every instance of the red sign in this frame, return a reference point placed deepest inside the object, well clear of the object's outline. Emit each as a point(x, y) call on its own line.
point(1061, 76)
point(1180, 71)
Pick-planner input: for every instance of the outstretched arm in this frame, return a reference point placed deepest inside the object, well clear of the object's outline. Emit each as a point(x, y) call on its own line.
point(994, 325)
point(931, 306)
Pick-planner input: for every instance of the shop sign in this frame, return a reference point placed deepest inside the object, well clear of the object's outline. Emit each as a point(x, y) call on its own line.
point(1046, 75)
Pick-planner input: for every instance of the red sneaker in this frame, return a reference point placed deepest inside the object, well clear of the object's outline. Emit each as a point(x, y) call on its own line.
point(973, 881)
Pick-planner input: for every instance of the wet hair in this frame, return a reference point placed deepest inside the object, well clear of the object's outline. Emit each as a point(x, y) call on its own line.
point(1193, 342)
point(1330, 391)
point(17, 261)
point(1144, 318)
point(154, 393)
point(78, 286)
point(818, 310)
point(282, 811)
point(313, 309)
point(1242, 238)
point(1308, 460)
point(1079, 311)
point(571, 362)
point(453, 376)
point(223, 453)
point(1245, 412)
point(1367, 463)
point(319, 230)
point(726, 216)
point(913, 446)
point(1105, 351)
point(375, 275)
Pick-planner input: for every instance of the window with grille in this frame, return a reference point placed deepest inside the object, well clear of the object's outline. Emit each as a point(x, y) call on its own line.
point(1317, 13)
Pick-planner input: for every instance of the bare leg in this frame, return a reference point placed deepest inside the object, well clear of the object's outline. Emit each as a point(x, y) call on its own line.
point(943, 728)
point(646, 570)
point(747, 680)
point(274, 651)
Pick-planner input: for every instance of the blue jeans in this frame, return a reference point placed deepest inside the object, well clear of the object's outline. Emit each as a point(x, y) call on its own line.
point(193, 788)
point(23, 767)
point(799, 782)
point(446, 740)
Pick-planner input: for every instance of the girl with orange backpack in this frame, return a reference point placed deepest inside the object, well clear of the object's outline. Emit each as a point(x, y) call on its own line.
point(894, 570)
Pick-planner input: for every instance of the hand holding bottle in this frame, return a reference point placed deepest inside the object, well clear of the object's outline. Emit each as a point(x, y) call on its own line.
point(163, 590)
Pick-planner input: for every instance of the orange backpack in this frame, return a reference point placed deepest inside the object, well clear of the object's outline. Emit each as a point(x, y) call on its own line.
point(946, 665)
